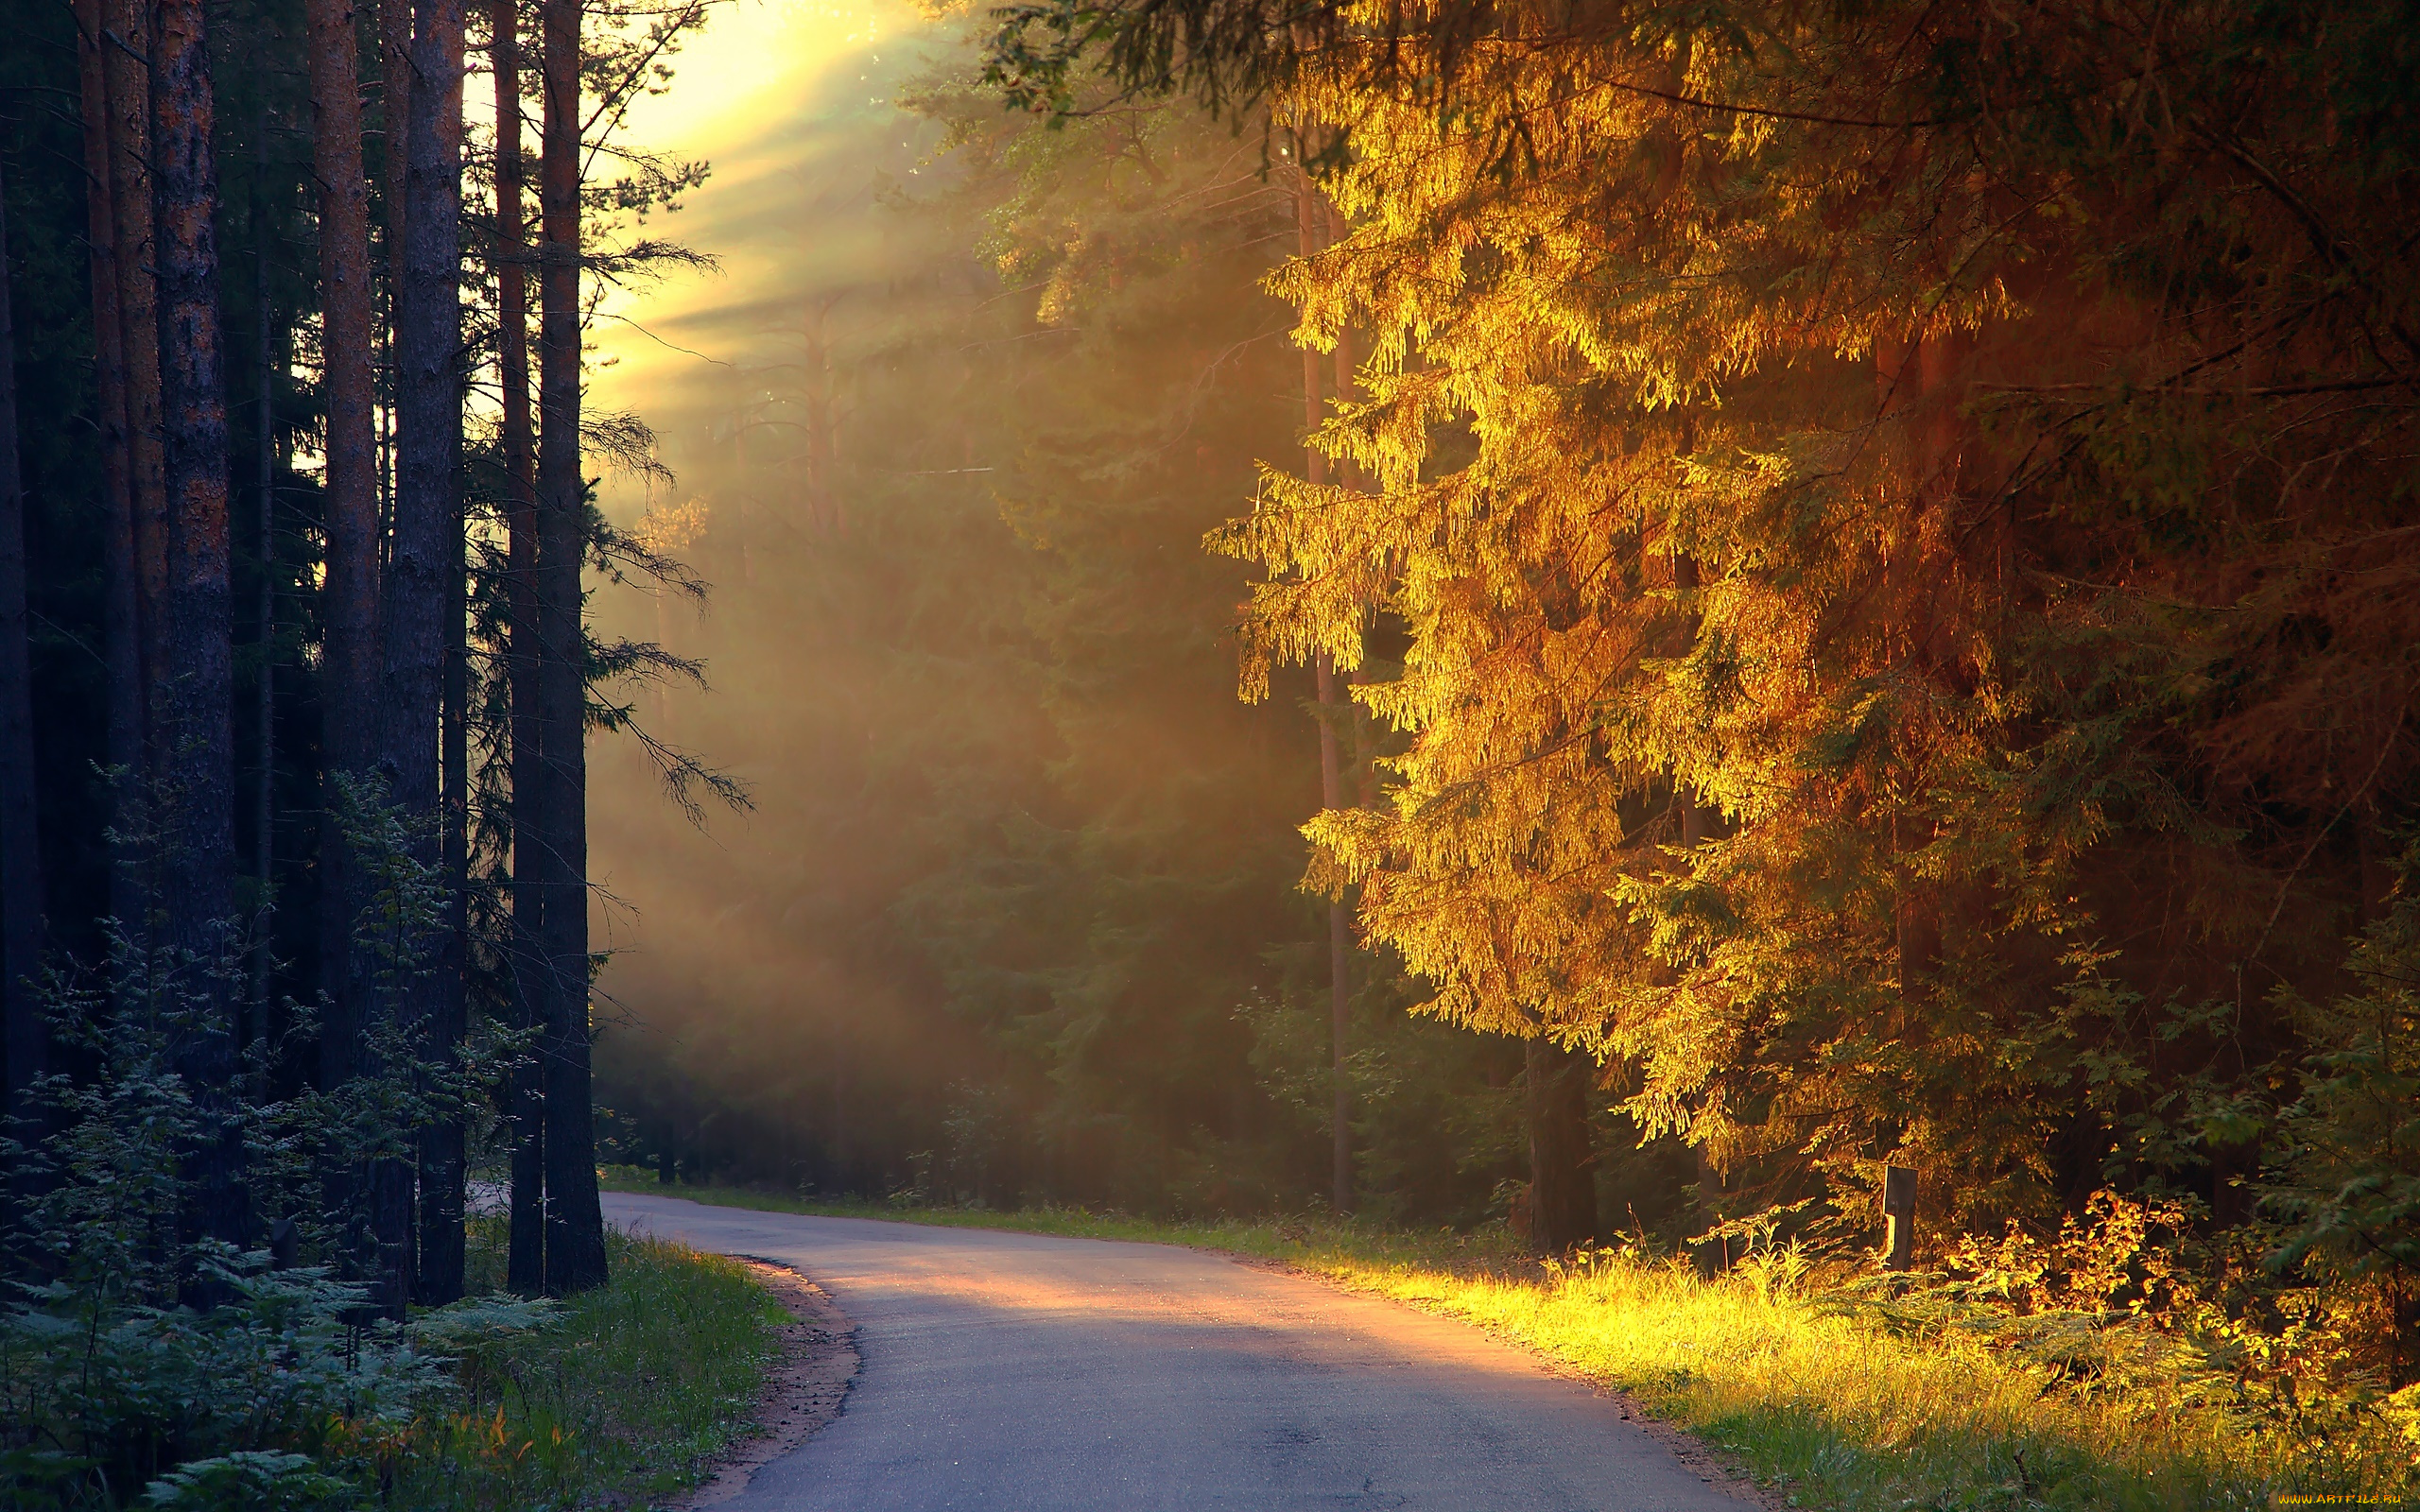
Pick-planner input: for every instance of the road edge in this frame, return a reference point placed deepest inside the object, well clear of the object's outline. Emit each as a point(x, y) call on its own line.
point(801, 1394)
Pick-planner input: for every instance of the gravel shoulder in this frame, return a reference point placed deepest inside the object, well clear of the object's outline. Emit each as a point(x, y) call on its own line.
point(803, 1392)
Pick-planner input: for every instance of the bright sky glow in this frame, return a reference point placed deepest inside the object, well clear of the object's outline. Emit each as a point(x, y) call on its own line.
point(776, 94)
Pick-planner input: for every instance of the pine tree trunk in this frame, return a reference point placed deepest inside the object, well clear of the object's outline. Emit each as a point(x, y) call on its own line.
point(525, 1110)
point(349, 597)
point(443, 1145)
point(1308, 219)
point(393, 1197)
point(394, 23)
point(1562, 1179)
point(350, 593)
point(264, 605)
point(1340, 954)
point(27, 1040)
point(575, 1225)
point(132, 248)
point(121, 649)
point(196, 728)
point(445, 1156)
point(425, 562)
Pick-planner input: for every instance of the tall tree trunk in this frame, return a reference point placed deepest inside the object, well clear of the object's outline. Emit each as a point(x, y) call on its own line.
point(121, 648)
point(443, 1148)
point(1340, 953)
point(197, 730)
point(129, 81)
point(394, 20)
point(349, 597)
point(265, 604)
point(28, 1041)
point(1308, 217)
point(525, 1265)
point(1563, 1177)
point(425, 565)
point(575, 1225)
point(349, 593)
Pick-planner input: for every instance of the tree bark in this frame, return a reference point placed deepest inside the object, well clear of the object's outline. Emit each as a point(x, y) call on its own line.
point(350, 591)
point(121, 648)
point(128, 82)
point(575, 1225)
point(27, 1040)
point(196, 730)
point(394, 20)
point(1308, 217)
point(443, 1152)
point(1563, 1178)
point(349, 597)
point(1340, 954)
point(426, 555)
point(265, 604)
point(525, 1266)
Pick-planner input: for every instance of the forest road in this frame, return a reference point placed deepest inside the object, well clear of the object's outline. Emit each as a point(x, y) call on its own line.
point(1017, 1371)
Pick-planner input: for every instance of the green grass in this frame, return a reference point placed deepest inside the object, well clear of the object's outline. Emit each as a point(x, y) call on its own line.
point(1837, 1403)
point(620, 1403)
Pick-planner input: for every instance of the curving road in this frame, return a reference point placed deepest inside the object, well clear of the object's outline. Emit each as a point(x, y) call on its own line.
point(1015, 1372)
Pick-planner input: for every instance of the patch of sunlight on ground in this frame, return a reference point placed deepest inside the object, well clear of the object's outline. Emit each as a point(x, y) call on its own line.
point(1833, 1401)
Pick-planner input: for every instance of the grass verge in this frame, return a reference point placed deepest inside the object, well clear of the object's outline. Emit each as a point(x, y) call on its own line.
point(622, 1402)
point(1836, 1401)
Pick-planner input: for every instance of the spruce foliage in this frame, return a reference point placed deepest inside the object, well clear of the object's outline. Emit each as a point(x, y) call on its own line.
point(1902, 523)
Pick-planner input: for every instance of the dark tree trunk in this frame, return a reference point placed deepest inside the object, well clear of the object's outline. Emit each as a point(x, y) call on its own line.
point(525, 1111)
point(196, 728)
point(425, 556)
point(120, 648)
point(443, 1147)
point(349, 597)
point(575, 1225)
point(1340, 957)
point(1563, 1175)
point(128, 83)
point(394, 20)
point(264, 605)
point(27, 1039)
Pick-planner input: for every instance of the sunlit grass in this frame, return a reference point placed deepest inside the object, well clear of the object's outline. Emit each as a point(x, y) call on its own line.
point(622, 1402)
point(1832, 1403)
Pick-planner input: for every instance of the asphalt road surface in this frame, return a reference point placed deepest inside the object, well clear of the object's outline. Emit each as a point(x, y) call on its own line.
point(1015, 1372)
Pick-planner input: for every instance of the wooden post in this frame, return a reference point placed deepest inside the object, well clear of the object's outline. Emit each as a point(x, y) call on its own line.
point(1898, 1217)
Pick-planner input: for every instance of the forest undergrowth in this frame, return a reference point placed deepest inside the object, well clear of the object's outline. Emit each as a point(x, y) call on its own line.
point(616, 1399)
point(623, 1402)
point(1963, 1388)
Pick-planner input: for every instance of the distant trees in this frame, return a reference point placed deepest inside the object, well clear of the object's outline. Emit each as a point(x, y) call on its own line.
point(334, 991)
point(1022, 918)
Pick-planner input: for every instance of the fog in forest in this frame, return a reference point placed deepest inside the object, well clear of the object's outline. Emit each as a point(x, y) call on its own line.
point(1013, 913)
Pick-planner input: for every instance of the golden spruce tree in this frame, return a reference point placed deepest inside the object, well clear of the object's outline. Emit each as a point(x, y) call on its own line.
point(1902, 523)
